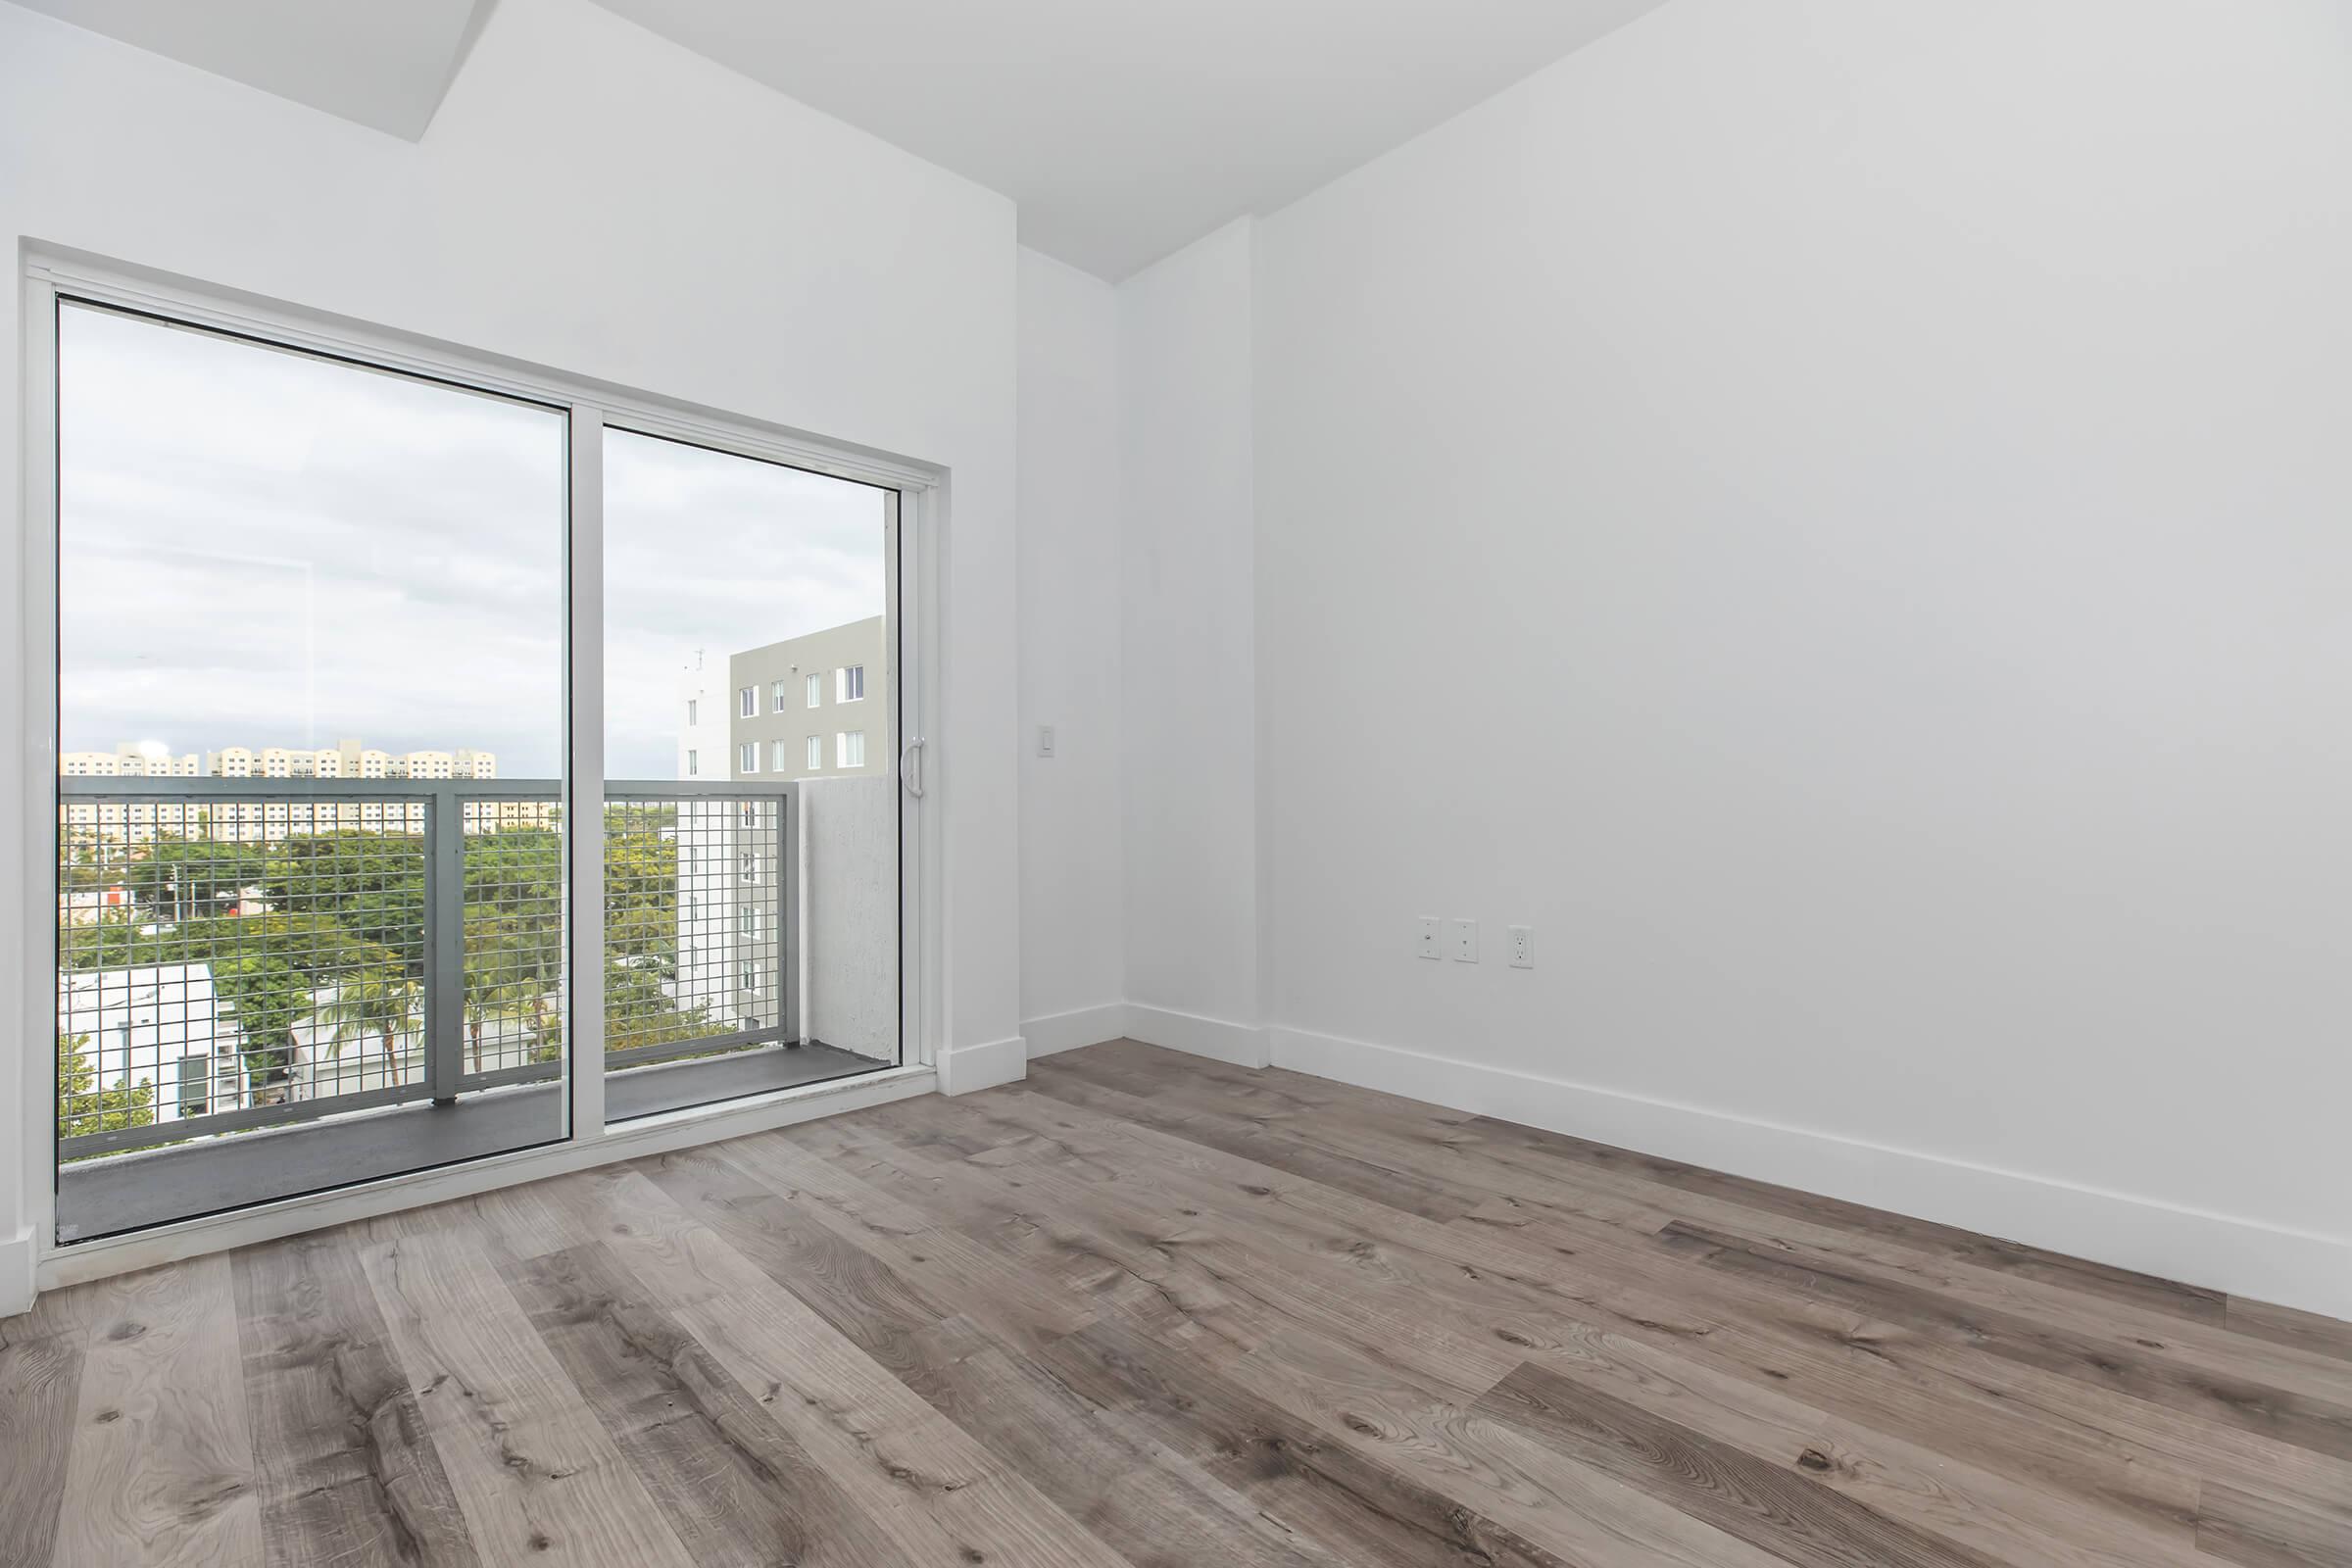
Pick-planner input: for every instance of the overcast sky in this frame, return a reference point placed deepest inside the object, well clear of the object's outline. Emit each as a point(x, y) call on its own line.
point(265, 548)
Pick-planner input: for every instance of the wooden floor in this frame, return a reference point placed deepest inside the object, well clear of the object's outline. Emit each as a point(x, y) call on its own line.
point(1147, 1309)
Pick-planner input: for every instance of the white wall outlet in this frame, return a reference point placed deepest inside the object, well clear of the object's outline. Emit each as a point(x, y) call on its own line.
point(1427, 947)
point(1045, 740)
point(1466, 941)
point(1523, 947)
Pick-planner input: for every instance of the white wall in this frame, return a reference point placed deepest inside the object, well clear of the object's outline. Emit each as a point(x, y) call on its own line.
point(1189, 519)
point(1073, 882)
point(593, 199)
point(1836, 513)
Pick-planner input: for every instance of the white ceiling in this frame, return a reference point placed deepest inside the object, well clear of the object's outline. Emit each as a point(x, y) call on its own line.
point(1128, 128)
point(1123, 128)
point(383, 62)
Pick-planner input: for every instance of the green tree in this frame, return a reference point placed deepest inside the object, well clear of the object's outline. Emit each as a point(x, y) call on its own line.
point(639, 1013)
point(514, 928)
point(82, 1107)
point(511, 964)
point(641, 891)
point(268, 996)
point(183, 881)
point(369, 884)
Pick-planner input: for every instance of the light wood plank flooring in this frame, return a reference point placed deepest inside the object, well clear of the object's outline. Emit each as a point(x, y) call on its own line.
point(1151, 1311)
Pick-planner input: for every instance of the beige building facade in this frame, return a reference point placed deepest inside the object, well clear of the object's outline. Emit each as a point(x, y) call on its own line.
point(812, 706)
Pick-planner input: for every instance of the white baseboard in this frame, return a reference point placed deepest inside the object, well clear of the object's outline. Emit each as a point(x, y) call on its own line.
point(965, 1069)
point(16, 1273)
point(1067, 1031)
point(1240, 1044)
point(2219, 1252)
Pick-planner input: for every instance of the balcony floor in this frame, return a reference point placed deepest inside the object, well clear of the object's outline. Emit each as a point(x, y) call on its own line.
point(103, 1197)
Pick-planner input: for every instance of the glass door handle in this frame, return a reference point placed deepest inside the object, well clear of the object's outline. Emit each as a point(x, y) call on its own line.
point(910, 773)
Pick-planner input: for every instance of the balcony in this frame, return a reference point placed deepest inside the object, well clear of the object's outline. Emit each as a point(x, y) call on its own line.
point(272, 987)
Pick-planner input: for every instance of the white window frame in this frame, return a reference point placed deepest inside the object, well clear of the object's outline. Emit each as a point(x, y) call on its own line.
point(746, 701)
point(916, 504)
point(842, 749)
point(840, 683)
point(816, 690)
point(694, 762)
point(747, 757)
point(779, 756)
point(814, 758)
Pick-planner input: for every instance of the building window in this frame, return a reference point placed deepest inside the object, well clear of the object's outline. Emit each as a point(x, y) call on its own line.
point(776, 696)
point(816, 752)
point(747, 757)
point(694, 765)
point(816, 690)
point(692, 708)
point(779, 756)
point(849, 749)
point(850, 679)
point(195, 1092)
point(746, 701)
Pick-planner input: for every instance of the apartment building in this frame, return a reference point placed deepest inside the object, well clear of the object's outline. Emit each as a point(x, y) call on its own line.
point(702, 701)
point(807, 707)
point(812, 706)
point(346, 759)
point(89, 823)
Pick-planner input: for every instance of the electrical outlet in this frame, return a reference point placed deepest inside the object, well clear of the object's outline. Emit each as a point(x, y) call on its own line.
point(1466, 941)
point(1428, 948)
point(1523, 947)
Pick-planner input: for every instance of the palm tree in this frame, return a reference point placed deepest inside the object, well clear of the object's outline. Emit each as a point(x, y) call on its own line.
point(493, 988)
point(377, 1000)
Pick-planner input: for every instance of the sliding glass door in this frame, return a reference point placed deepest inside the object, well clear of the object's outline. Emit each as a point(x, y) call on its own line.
point(752, 797)
point(325, 653)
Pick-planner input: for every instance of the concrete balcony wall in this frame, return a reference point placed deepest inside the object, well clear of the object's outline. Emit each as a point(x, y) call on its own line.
point(850, 913)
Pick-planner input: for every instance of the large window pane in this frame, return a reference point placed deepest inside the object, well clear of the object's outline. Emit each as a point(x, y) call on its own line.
point(310, 752)
point(751, 892)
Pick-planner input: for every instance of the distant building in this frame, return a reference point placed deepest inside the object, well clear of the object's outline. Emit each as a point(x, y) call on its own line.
point(346, 759)
point(159, 1026)
point(89, 823)
point(812, 706)
point(126, 762)
point(703, 738)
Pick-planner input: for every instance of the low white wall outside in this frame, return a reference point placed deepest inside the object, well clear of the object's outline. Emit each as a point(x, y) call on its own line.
point(850, 913)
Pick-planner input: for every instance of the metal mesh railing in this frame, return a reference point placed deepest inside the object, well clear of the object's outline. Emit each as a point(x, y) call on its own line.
point(224, 960)
point(696, 914)
point(511, 858)
point(236, 954)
